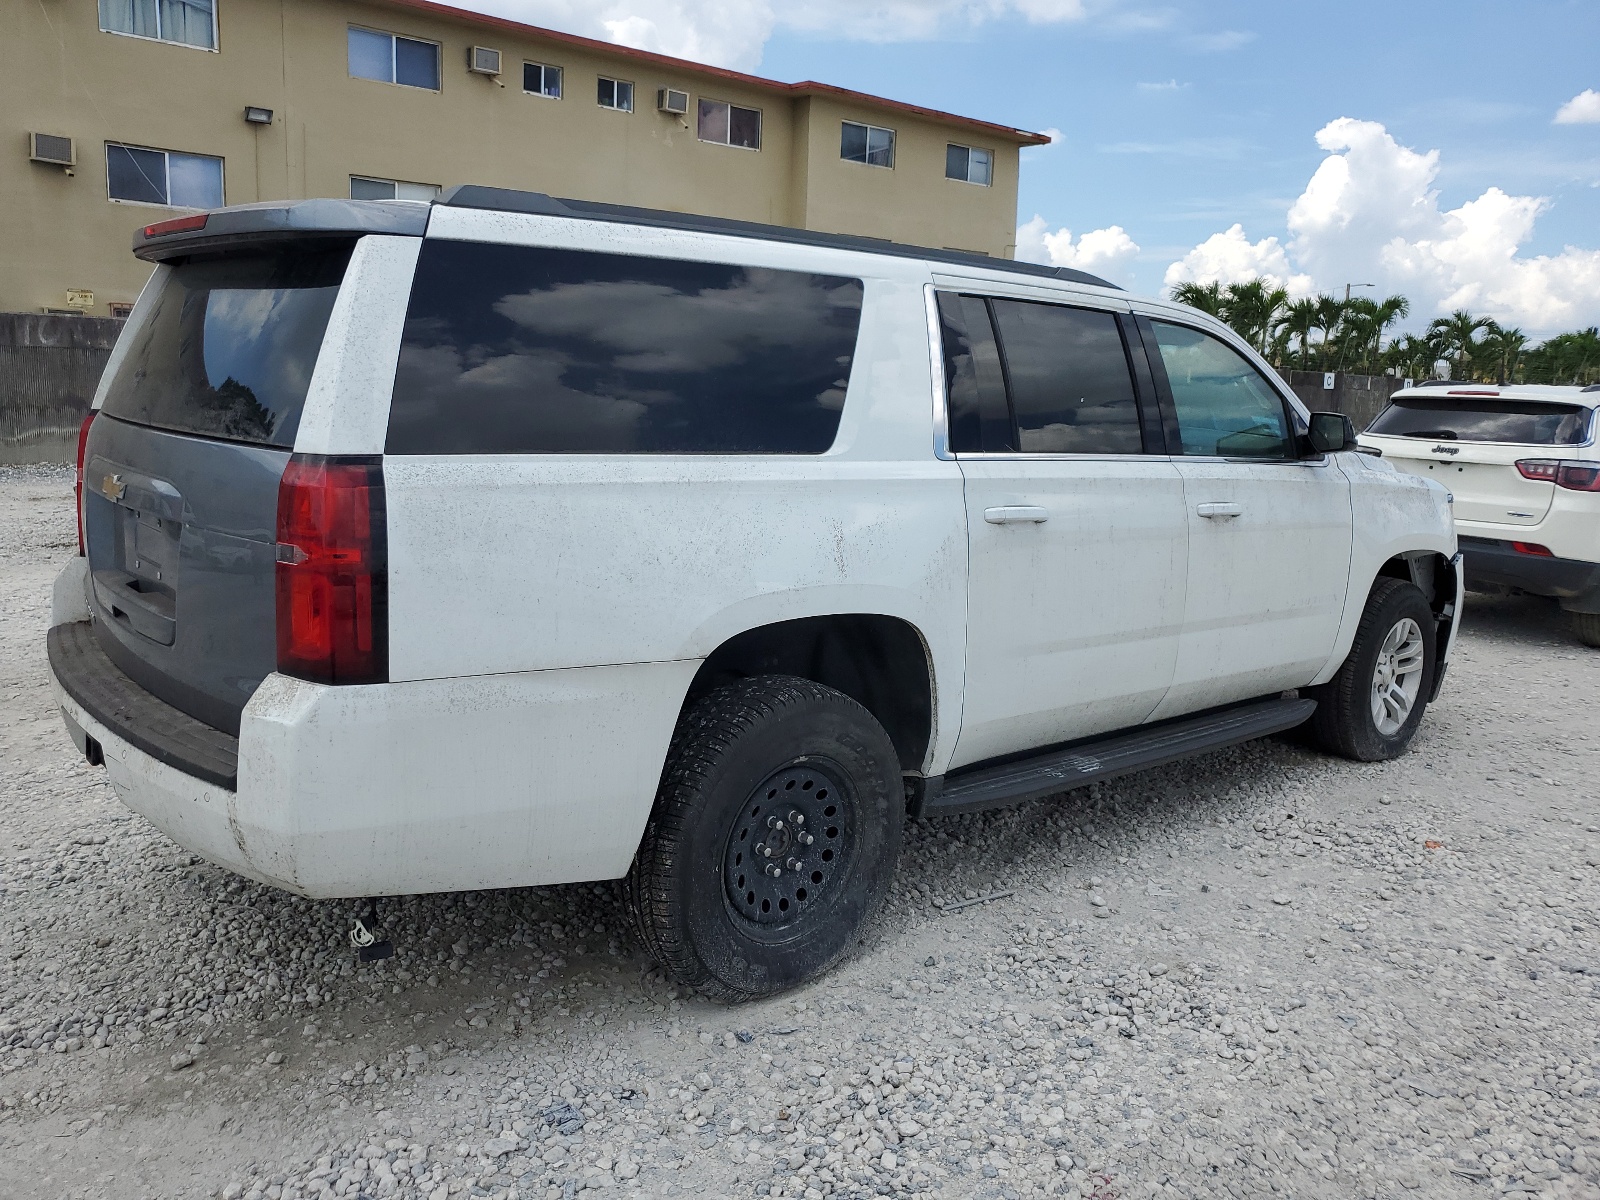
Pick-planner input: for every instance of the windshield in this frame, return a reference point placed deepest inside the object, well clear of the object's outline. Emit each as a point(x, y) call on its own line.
point(1458, 419)
point(229, 345)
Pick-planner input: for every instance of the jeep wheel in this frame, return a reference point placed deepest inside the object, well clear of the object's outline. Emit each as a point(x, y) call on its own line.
point(773, 838)
point(1586, 627)
point(1371, 709)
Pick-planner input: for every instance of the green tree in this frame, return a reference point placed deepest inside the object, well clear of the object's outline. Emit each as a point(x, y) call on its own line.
point(1253, 309)
point(1298, 321)
point(1456, 336)
point(1207, 297)
point(1499, 351)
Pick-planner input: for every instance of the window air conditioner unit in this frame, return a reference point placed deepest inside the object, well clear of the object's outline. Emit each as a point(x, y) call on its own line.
point(670, 100)
point(53, 149)
point(482, 60)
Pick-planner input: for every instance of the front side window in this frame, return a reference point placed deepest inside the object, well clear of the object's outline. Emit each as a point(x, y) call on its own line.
point(1224, 407)
point(186, 22)
point(534, 350)
point(541, 79)
point(368, 187)
point(137, 175)
point(389, 58)
point(969, 164)
point(1071, 390)
point(729, 125)
point(866, 144)
point(616, 93)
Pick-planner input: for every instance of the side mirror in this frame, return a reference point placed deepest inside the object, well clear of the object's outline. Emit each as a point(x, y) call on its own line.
point(1331, 433)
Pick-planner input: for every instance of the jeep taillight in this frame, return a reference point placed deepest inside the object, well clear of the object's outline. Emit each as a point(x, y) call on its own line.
point(77, 486)
point(1574, 476)
point(332, 571)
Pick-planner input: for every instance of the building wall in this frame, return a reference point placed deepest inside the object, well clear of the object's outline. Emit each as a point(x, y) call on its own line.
point(59, 73)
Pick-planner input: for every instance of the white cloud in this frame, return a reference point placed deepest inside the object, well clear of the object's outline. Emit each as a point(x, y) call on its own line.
point(1582, 109)
point(1231, 257)
point(1107, 253)
point(733, 33)
point(1217, 43)
point(1171, 85)
point(1371, 214)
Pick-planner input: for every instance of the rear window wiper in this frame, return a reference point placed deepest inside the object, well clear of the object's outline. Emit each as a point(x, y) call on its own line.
point(1442, 434)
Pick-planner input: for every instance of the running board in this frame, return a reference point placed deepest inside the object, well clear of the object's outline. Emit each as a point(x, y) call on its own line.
point(1069, 767)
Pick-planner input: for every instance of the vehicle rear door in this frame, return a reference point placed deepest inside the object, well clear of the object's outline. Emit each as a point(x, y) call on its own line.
point(1269, 532)
point(1076, 529)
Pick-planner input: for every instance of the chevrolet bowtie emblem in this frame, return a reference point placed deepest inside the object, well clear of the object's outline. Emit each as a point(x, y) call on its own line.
point(113, 487)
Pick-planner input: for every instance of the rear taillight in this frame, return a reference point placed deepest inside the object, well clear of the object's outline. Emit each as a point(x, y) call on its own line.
point(332, 571)
point(1574, 476)
point(77, 487)
point(1533, 548)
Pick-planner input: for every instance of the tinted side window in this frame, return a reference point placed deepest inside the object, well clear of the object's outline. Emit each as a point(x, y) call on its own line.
point(530, 350)
point(1224, 407)
point(975, 387)
point(1071, 389)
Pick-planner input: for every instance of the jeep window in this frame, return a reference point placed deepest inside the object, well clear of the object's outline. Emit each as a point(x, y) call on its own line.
point(532, 350)
point(1071, 390)
point(229, 345)
point(975, 389)
point(1482, 419)
point(1224, 407)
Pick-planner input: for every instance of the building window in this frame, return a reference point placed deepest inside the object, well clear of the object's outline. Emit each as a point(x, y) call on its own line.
point(541, 79)
point(866, 144)
point(616, 93)
point(389, 58)
point(729, 125)
point(367, 187)
point(140, 176)
point(969, 165)
point(186, 22)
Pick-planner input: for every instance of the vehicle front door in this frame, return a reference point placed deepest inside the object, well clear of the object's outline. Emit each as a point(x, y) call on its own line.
point(1076, 531)
point(1269, 531)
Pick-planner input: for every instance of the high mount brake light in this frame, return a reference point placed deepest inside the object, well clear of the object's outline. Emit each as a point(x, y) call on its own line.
point(77, 486)
point(332, 571)
point(1574, 476)
point(176, 225)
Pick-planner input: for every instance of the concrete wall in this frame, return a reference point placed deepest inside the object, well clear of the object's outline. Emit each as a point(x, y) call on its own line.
point(49, 369)
point(61, 74)
point(1360, 397)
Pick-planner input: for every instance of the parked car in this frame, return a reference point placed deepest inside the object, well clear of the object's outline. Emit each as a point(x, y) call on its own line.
point(1522, 463)
point(508, 541)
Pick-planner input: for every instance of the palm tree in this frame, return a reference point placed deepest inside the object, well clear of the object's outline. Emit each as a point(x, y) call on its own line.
point(1207, 297)
point(1456, 335)
point(1330, 319)
point(1502, 348)
point(1252, 309)
point(1298, 320)
point(1414, 357)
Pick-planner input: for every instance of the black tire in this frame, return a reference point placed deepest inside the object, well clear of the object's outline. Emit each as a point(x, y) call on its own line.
point(1586, 628)
point(1344, 722)
point(770, 740)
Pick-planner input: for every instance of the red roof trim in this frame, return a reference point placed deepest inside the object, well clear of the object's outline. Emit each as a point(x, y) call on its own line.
point(1021, 137)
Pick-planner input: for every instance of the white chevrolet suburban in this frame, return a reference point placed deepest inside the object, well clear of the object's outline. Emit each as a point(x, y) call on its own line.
point(508, 540)
point(1524, 467)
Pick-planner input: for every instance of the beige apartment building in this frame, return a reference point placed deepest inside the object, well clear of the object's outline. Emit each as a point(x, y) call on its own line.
point(119, 113)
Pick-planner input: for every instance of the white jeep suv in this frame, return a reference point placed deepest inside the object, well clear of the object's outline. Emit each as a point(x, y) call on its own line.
point(1524, 468)
point(509, 540)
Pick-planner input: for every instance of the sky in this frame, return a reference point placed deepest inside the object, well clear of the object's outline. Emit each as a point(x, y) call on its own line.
point(1447, 150)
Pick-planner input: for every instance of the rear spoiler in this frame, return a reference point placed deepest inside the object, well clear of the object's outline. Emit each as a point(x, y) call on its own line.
point(266, 223)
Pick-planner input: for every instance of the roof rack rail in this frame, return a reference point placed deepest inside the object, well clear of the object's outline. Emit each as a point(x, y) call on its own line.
point(1443, 383)
point(470, 195)
point(1593, 387)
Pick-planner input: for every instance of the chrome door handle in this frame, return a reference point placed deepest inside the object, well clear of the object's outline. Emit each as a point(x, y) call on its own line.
point(1216, 511)
point(1015, 514)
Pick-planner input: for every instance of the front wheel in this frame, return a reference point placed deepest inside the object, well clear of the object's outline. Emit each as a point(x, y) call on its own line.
point(1370, 710)
point(773, 839)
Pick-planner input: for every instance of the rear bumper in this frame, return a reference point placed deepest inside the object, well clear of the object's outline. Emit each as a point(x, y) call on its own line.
point(393, 789)
point(1494, 564)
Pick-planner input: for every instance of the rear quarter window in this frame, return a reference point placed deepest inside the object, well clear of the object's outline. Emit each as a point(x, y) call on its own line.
point(229, 345)
point(1450, 418)
point(533, 350)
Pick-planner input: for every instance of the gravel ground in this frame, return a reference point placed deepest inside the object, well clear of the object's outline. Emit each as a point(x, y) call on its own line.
point(1259, 972)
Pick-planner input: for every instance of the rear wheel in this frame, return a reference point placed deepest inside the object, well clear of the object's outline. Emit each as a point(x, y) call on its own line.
point(1371, 709)
point(773, 839)
point(1586, 627)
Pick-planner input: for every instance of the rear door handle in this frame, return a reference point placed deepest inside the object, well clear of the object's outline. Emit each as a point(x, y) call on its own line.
point(1218, 511)
point(1015, 514)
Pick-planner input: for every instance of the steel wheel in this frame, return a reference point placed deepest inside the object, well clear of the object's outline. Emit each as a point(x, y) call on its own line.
point(1397, 676)
point(791, 839)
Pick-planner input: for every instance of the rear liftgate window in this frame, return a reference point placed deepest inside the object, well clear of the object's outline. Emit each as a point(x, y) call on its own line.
point(530, 350)
point(1446, 418)
point(230, 344)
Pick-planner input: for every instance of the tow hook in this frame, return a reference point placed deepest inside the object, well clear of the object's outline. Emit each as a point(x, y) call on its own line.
point(364, 937)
